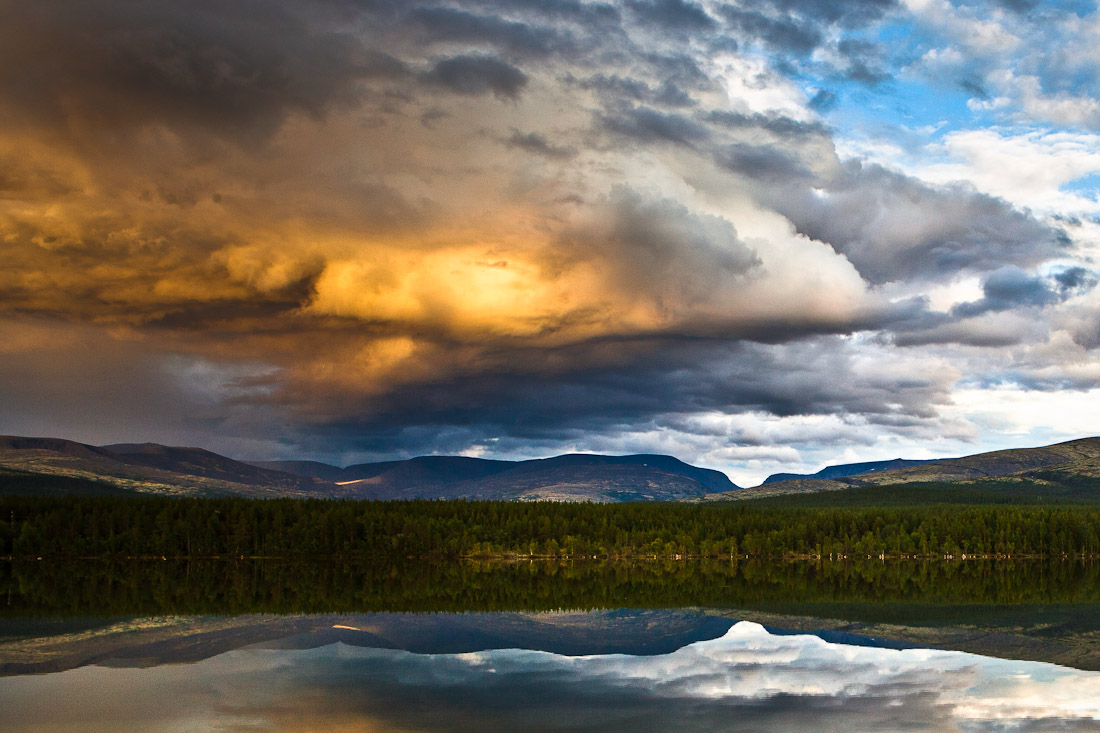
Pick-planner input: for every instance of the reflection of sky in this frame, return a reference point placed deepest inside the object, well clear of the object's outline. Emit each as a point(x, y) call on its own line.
point(747, 680)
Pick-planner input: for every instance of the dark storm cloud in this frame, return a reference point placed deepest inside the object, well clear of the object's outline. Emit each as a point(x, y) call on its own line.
point(521, 39)
point(989, 332)
point(617, 86)
point(1081, 317)
point(323, 200)
point(762, 163)
point(679, 69)
point(794, 381)
point(973, 88)
point(824, 100)
point(233, 68)
point(670, 95)
point(992, 320)
point(1022, 7)
point(587, 13)
point(1006, 288)
point(893, 227)
point(797, 27)
point(659, 248)
point(20, 179)
point(793, 31)
point(614, 90)
point(647, 125)
point(783, 33)
point(612, 387)
point(855, 14)
point(1037, 380)
point(475, 75)
point(110, 391)
point(865, 61)
point(1075, 279)
point(775, 124)
point(672, 15)
point(534, 142)
point(1005, 315)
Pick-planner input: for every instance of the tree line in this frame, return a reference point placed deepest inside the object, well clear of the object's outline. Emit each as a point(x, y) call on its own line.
point(73, 527)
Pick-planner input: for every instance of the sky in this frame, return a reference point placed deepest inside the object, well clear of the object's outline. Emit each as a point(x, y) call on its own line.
point(761, 237)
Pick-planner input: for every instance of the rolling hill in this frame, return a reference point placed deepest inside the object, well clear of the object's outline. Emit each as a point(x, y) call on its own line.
point(573, 477)
point(848, 469)
point(1067, 471)
point(51, 466)
point(1064, 469)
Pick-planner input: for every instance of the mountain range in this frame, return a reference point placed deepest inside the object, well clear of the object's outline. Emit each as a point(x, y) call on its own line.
point(849, 469)
point(1069, 468)
point(568, 477)
point(55, 466)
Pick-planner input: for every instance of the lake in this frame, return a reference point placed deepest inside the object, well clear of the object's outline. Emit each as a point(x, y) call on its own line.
point(246, 646)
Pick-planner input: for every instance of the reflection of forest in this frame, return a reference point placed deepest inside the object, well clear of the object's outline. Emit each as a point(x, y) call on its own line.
point(393, 531)
point(904, 591)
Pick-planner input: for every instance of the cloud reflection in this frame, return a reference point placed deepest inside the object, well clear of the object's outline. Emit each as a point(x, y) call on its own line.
point(748, 679)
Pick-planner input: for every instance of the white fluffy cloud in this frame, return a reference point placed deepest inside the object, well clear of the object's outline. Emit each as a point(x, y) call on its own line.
point(1030, 168)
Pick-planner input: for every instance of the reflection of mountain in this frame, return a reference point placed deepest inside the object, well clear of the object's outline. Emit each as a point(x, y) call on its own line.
point(54, 466)
point(169, 640)
point(44, 646)
point(745, 679)
point(573, 633)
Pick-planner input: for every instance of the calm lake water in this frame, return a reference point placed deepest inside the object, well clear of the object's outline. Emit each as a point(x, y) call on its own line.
point(834, 660)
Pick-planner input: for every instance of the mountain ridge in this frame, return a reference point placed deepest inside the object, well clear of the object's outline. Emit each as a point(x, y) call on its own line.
point(148, 468)
point(56, 466)
point(1068, 462)
point(27, 464)
point(843, 470)
point(642, 476)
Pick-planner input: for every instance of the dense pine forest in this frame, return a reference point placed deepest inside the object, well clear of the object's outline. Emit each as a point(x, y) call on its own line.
point(284, 528)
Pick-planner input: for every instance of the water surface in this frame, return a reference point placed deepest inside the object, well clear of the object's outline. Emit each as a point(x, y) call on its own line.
point(552, 646)
point(747, 678)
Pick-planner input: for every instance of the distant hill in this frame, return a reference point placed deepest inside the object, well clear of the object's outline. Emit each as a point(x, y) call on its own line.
point(316, 469)
point(424, 471)
point(51, 466)
point(198, 462)
point(849, 469)
point(1074, 464)
point(146, 467)
point(567, 477)
point(21, 483)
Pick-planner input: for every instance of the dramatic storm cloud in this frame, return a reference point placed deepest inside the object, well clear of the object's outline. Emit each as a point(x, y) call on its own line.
point(761, 236)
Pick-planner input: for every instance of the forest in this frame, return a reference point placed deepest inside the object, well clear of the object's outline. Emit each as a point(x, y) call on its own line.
point(144, 527)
